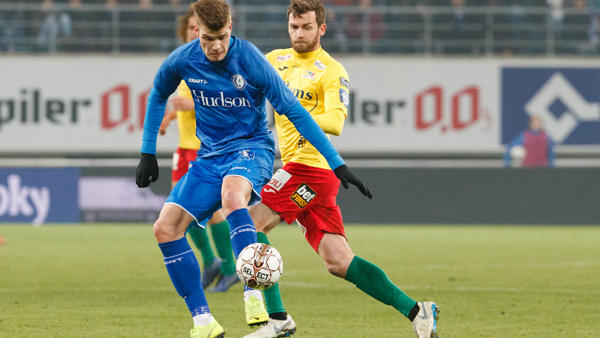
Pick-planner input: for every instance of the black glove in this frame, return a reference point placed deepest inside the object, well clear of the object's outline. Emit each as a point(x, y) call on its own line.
point(147, 170)
point(345, 175)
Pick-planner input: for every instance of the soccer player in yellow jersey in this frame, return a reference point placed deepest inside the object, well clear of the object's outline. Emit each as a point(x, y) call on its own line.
point(305, 188)
point(222, 269)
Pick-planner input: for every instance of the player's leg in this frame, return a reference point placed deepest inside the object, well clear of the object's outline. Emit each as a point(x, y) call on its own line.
point(194, 198)
point(183, 268)
point(277, 205)
point(250, 170)
point(236, 194)
point(372, 280)
point(280, 323)
point(181, 161)
point(266, 219)
point(219, 229)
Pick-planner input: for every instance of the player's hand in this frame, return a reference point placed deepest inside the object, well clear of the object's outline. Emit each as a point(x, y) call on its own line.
point(147, 170)
point(165, 123)
point(181, 103)
point(346, 176)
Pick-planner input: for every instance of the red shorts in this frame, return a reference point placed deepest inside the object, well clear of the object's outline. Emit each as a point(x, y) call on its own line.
point(181, 162)
point(306, 194)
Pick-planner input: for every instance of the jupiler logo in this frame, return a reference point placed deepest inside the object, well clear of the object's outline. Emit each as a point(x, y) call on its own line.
point(579, 109)
point(238, 82)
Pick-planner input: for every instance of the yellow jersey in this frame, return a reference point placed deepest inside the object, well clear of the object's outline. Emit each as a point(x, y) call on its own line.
point(186, 121)
point(322, 86)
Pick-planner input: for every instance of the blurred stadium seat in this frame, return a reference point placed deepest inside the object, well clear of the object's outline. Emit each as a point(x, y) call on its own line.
point(437, 27)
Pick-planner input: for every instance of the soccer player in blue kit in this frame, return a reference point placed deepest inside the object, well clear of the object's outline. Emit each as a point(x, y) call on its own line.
point(229, 79)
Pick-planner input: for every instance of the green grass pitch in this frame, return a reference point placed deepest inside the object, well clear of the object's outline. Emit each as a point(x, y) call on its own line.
point(489, 281)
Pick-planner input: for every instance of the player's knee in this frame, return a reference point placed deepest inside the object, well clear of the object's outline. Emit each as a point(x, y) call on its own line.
point(335, 269)
point(335, 266)
point(163, 232)
point(232, 201)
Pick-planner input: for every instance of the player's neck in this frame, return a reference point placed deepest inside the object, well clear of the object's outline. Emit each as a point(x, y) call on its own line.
point(307, 55)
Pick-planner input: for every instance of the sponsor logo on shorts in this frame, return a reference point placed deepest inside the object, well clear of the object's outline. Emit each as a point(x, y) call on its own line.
point(247, 155)
point(303, 195)
point(278, 180)
point(241, 168)
point(284, 57)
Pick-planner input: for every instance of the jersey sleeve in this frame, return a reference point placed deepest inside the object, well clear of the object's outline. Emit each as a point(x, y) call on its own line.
point(165, 82)
point(336, 87)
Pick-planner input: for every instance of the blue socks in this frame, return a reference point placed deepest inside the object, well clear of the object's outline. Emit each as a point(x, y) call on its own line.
point(243, 232)
point(184, 271)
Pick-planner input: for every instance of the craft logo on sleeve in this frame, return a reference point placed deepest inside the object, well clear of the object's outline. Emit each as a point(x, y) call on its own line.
point(303, 195)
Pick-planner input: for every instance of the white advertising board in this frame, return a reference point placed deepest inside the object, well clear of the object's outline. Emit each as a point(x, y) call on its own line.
point(97, 104)
point(76, 104)
point(421, 105)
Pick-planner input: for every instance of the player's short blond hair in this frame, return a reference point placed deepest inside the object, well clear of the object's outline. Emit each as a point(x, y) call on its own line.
point(183, 23)
point(212, 14)
point(301, 7)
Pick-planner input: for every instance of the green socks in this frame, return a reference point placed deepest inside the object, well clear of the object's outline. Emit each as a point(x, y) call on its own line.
point(272, 296)
point(220, 234)
point(370, 279)
point(200, 239)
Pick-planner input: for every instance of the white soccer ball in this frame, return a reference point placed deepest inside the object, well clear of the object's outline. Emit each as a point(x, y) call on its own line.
point(518, 152)
point(259, 266)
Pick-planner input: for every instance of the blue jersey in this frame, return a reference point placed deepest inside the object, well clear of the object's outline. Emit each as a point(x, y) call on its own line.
point(230, 97)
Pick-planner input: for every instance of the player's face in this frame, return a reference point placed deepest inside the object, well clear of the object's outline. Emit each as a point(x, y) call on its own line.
point(535, 123)
point(190, 33)
point(215, 44)
point(305, 33)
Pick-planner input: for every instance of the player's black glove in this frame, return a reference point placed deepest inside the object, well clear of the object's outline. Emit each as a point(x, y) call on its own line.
point(147, 170)
point(346, 176)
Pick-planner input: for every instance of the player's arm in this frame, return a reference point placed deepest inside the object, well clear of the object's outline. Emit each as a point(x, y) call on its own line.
point(332, 122)
point(170, 116)
point(335, 87)
point(285, 103)
point(165, 82)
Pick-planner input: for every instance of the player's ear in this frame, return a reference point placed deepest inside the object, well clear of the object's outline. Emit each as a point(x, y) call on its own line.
point(322, 29)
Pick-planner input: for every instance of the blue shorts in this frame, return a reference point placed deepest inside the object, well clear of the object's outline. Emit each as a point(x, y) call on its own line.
point(199, 191)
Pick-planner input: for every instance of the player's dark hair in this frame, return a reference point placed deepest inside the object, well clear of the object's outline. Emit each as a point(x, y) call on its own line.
point(301, 7)
point(212, 14)
point(183, 23)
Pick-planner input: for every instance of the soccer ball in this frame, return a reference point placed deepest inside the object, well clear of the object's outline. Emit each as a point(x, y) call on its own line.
point(259, 266)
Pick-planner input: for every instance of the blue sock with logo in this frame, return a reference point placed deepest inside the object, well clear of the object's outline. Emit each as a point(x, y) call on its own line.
point(184, 270)
point(243, 232)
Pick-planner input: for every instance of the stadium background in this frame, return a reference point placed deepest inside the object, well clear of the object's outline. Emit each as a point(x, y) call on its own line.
point(438, 87)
